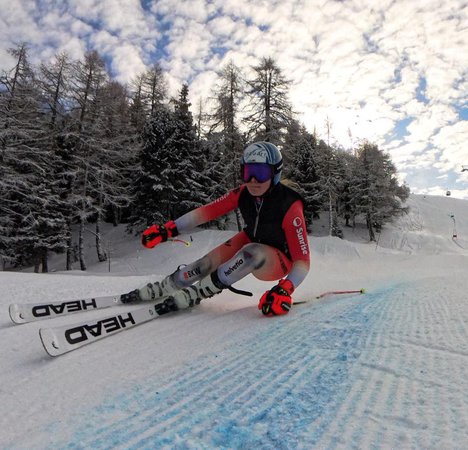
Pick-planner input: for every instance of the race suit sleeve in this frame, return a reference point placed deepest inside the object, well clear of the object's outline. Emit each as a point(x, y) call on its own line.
point(211, 211)
point(295, 229)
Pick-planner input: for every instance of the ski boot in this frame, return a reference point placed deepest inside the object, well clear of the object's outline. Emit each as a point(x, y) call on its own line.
point(193, 295)
point(152, 291)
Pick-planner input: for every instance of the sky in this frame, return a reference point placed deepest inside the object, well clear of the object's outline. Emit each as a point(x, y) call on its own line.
point(394, 72)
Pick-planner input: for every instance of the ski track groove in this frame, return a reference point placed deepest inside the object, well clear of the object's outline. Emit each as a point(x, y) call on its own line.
point(390, 403)
point(196, 389)
point(324, 372)
point(329, 384)
point(427, 369)
point(233, 371)
point(338, 435)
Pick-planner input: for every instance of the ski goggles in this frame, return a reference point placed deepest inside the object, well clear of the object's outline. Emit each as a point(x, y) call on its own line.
point(260, 171)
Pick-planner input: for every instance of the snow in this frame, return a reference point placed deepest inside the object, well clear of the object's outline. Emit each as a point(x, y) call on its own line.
point(387, 369)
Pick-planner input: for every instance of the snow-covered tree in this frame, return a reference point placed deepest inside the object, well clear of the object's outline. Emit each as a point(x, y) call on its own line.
point(376, 193)
point(153, 187)
point(53, 80)
point(30, 223)
point(173, 178)
point(214, 151)
point(116, 158)
point(345, 171)
point(148, 91)
point(302, 169)
point(225, 137)
point(193, 183)
point(227, 96)
point(269, 111)
point(89, 78)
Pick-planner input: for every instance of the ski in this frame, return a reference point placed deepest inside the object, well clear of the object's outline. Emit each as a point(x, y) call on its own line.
point(64, 339)
point(30, 312)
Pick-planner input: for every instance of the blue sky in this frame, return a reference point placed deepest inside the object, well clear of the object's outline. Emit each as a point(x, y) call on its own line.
point(394, 71)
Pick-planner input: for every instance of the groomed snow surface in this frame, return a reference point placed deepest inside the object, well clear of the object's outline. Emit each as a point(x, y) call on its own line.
point(383, 370)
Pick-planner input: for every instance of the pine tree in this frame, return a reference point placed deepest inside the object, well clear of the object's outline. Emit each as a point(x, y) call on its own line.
point(155, 194)
point(377, 195)
point(173, 179)
point(302, 169)
point(193, 184)
point(344, 205)
point(214, 150)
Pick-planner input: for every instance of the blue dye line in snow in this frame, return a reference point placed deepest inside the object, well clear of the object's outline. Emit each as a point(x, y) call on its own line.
point(279, 395)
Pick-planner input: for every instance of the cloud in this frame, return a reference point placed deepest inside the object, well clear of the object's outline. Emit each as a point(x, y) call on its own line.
point(369, 68)
point(451, 140)
point(126, 59)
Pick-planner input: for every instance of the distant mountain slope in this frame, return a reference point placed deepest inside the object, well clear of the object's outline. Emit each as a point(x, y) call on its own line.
point(433, 225)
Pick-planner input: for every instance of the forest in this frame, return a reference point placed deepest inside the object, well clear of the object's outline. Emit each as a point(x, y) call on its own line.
point(78, 149)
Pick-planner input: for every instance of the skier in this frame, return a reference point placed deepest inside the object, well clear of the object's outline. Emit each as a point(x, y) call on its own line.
point(272, 246)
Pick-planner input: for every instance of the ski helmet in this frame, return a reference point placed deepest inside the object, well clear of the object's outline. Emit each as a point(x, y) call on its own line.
point(264, 152)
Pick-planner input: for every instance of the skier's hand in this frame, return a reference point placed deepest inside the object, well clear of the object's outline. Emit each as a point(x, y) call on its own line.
point(156, 234)
point(277, 300)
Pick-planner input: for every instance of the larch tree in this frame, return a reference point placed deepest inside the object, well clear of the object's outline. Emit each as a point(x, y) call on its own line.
point(87, 85)
point(269, 111)
point(31, 224)
point(225, 135)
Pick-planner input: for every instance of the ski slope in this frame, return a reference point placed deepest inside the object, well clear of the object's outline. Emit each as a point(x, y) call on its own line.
point(387, 369)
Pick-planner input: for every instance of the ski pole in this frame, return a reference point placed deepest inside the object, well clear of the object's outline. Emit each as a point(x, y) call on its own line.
point(325, 294)
point(359, 291)
point(180, 240)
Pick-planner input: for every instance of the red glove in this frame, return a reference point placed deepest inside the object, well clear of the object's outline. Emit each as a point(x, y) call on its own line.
point(156, 234)
point(277, 301)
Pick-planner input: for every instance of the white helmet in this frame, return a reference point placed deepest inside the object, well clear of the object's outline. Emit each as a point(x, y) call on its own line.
point(264, 152)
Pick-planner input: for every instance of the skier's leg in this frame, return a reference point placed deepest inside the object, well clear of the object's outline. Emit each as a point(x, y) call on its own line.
point(264, 262)
point(187, 275)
